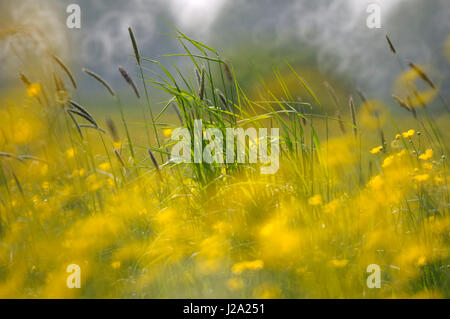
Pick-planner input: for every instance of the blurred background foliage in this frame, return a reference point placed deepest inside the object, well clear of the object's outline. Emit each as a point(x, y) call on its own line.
point(325, 40)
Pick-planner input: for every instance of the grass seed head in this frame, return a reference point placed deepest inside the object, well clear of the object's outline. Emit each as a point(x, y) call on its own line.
point(153, 158)
point(422, 74)
point(227, 70)
point(391, 46)
point(135, 47)
point(112, 129)
point(129, 80)
point(100, 80)
point(66, 70)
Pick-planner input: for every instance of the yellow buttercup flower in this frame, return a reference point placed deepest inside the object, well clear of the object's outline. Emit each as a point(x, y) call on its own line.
point(388, 161)
point(115, 264)
point(401, 153)
point(339, 263)
point(376, 150)
point(105, 166)
point(167, 132)
point(110, 182)
point(117, 145)
point(34, 89)
point(94, 183)
point(239, 268)
point(44, 170)
point(372, 114)
point(78, 172)
point(331, 207)
point(422, 177)
point(427, 155)
point(70, 153)
point(22, 131)
point(421, 261)
point(316, 200)
point(408, 134)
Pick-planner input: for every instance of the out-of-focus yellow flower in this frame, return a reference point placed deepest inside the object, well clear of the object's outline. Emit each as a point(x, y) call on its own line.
point(414, 256)
point(421, 261)
point(388, 161)
point(105, 166)
point(376, 150)
point(22, 131)
point(428, 166)
point(376, 182)
point(143, 212)
point(110, 182)
point(211, 255)
point(316, 200)
point(279, 243)
point(115, 264)
point(79, 172)
point(339, 263)
point(401, 153)
point(44, 170)
point(397, 136)
point(34, 89)
point(117, 145)
point(408, 134)
point(167, 132)
point(406, 80)
point(331, 207)
point(239, 268)
point(222, 227)
point(372, 114)
point(427, 155)
point(339, 151)
point(421, 177)
point(70, 153)
point(94, 182)
point(235, 283)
